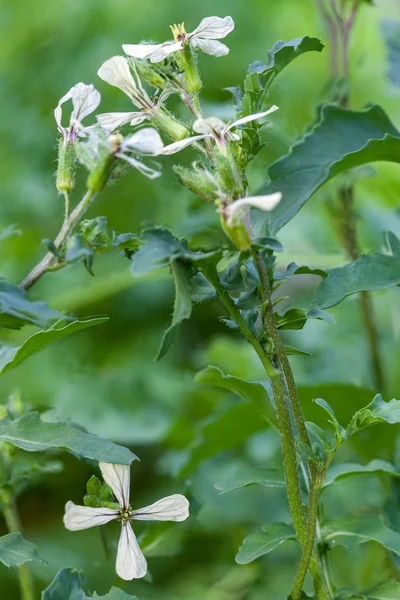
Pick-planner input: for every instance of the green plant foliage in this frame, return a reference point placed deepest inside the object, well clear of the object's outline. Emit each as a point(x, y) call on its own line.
point(11, 356)
point(370, 272)
point(17, 310)
point(264, 541)
point(348, 138)
point(244, 475)
point(30, 433)
point(252, 391)
point(67, 585)
point(344, 470)
point(16, 550)
point(378, 411)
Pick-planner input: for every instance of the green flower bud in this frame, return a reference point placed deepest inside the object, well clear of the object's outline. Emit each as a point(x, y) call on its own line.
point(149, 74)
point(166, 122)
point(65, 180)
point(227, 173)
point(94, 487)
point(199, 181)
point(237, 233)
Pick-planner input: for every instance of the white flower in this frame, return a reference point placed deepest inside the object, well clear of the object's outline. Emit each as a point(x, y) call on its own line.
point(216, 129)
point(131, 563)
point(116, 72)
point(85, 100)
point(146, 141)
point(203, 37)
point(235, 211)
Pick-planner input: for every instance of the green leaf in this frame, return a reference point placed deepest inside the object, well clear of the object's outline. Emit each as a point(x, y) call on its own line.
point(355, 530)
point(283, 53)
point(264, 541)
point(160, 248)
point(391, 33)
point(393, 243)
point(388, 590)
point(67, 585)
point(249, 390)
point(17, 310)
point(245, 474)
point(341, 140)
point(227, 429)
point(291, 351)
point(15, 550)
point(344, 470)
point(378, 411)
point(182, 307)
point(34, 435)
point(294, 318)
point(369, 272)
point(11, 356)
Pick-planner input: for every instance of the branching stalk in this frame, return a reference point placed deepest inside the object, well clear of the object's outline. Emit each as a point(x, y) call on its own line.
point(49, 262)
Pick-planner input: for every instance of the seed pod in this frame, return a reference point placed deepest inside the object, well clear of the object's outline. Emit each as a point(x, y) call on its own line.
point(65, 180)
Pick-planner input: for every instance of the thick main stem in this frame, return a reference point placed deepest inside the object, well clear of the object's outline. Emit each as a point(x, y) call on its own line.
point(276, 375)
point(49, 261)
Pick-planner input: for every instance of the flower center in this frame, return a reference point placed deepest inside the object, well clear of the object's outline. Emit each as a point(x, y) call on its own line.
point(179, 32)
point(125, 514)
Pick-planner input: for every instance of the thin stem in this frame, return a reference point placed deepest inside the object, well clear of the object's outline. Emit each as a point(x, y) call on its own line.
point(50, 261)
point(66, 204)
point(308, 549)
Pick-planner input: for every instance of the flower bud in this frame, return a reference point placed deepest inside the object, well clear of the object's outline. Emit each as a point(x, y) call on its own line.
point(149, 74)
point(237, 233)
point(199, 181)
point(227, 173)
point(65, 180)
point(166, 122)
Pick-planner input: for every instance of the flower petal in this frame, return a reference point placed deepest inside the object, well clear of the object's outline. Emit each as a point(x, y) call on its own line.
point(140, 166)
point(211, 125)
point(178, 146)
point(213, 28)
point(235, 210)
point(140, 50)
point(171, 508)
point(58, 110)
point(131, 564)
point(165, 50)
point(254, 117)
point(112, 121)
point(85, 99)
point(118, 477)
point(83, 517)
point(146, 141)
point(210, 46)
point(116, 72)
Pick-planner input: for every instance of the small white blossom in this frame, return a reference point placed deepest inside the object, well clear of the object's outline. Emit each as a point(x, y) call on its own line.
point(216, 129)
point(117, 73)
point(85, 100)
point(235, 211)
point(146, 141)
point(131, 564)
point(204, 37)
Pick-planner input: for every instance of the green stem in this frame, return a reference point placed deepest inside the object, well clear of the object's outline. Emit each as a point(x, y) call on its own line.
point(49, 261)
point(14, 525)
point(310, 559)
point(66, 204)
point(308, 548)
point(285, 427)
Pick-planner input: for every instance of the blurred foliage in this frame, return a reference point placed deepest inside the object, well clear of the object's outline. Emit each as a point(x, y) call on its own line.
point(105, 379)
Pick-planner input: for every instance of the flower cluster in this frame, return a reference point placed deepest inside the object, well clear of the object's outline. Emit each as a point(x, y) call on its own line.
point(172, 64)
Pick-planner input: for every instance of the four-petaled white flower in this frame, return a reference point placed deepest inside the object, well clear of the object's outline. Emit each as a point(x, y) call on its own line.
point(131, 563)
point(116, 72)
point(235, 211)
point(146, 142)
point(204, 37)
point(216, 129)
point(85, 100)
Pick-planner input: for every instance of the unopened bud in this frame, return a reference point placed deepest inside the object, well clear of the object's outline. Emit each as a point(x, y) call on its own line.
point(166, 122)
point(237, 233)
point(199, 181)
point(149, 74)
point(227, 173)
point(65, 180)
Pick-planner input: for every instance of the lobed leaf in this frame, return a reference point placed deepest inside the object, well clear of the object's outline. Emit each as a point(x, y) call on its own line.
point(341, 140)
point(378, 411)
point(30, 433)
point(15, 550)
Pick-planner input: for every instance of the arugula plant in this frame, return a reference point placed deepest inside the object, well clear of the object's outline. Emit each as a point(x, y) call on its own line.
point(238, 266)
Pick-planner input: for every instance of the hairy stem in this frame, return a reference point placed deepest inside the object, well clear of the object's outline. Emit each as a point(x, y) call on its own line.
point(49, 262)
point(277, 378)
point(308, 548)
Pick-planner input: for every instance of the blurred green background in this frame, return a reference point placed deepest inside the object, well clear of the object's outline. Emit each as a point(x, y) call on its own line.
point(106, 379)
